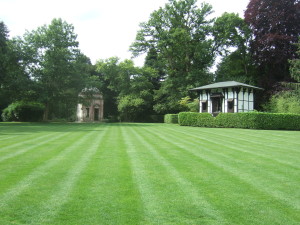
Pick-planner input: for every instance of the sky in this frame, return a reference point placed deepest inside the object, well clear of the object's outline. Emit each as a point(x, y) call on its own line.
point(105, 28)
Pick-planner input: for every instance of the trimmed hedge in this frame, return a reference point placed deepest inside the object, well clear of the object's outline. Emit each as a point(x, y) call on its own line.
point(171, 118)
point(251, 120)
point(196, 119)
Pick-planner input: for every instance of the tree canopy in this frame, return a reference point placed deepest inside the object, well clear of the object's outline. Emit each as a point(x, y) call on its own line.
point(179, 34)
point(13, 81)
point(55, 63)
point(233, 36)
point(295, 65)
point(127, 88)
point(275, 26)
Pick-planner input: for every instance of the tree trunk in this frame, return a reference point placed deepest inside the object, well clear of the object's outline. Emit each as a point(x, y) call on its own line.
point(46, 112)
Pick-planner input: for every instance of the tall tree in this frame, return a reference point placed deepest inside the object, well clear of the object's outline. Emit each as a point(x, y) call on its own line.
point(229, 30)
point(276, 27)
point(56, 64)
point(295, 65)
point(3, 50)
point(237, 66)
point(232, 36)
point(13, 82)
point(153, 61)
point(180, 35)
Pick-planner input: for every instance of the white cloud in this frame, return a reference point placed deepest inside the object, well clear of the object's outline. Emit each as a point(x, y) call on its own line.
point(105, 28)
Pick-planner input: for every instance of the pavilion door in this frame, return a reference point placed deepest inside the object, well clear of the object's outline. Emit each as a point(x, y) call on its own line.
point(216, 105)
point(96, 114)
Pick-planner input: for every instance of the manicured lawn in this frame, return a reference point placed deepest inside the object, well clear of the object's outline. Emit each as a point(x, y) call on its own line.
point(147, 174)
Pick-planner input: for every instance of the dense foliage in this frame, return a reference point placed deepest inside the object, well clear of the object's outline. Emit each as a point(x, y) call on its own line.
point(23, 111)
point(128, 89)
point(57, 66)
point(251, 120)
point(46, 66)
point(295, 65)
point(189, 105)
point(179, 36)
point(275, 26)
point(14, 84)
point(284, 102)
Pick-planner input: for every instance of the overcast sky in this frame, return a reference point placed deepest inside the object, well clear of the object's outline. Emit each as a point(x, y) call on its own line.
point(105, 28)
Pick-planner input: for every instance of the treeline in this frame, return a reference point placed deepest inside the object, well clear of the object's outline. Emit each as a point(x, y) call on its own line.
point(181, 41)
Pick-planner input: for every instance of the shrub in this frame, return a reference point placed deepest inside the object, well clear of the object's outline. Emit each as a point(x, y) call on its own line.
point(8, 113)
point(250, 120)
point(284, 102)
point(23, 111)
point(130, 107)
point(187, 104)
point(171, 118)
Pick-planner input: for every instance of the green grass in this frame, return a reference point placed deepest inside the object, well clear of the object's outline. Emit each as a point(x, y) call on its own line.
point(147, 174)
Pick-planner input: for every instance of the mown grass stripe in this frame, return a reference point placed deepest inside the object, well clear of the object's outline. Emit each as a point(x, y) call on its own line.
point(49, 209)
point(152, 208)
point(266, 142)
point(227, 166)
point(21, 143)
point(40, 171)
point(270, 135)
point(268, 139)
point(106, 193)
point(221, 140)
point(234, 145)
point(29, 148)
point(149, 174)
point(15, 168)
point(235, 172)
point(225, 147)
point(208, 178)
point(22, 140)
point(192, 193)
point(9, 137)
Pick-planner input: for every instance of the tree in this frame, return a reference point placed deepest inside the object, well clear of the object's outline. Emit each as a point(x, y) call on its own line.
point(295, 65)
point(14, 83)
point(154, 61)
point(128, 90)
point(229, 30)
point(276, 27)
point(115, 82)
point(3, 50)
point(54, 61)
point(130, 107)
point(179, 34)
point(237, 66)
point(232, 36)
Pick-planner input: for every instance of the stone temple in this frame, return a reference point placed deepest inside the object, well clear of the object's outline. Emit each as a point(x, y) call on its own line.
point(90, 108)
